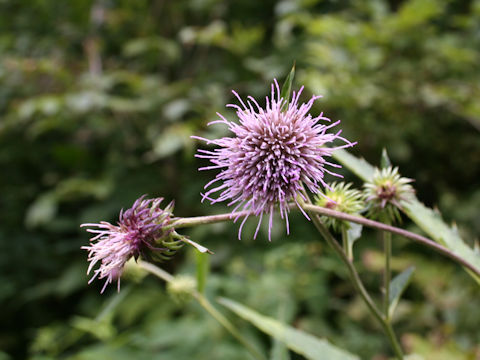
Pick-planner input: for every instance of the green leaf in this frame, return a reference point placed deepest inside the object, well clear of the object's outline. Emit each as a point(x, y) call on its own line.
point(287, 88)
point(197, 246)
point(112, 304)
point(359, 167)
point(103, 330)
point(432, 223)
point(42, 210)
point(279, 351)
point(202, 270)
point(302, 343)
point(397, 287)
point(172, 139)
point(385, 160)
point(353, 234)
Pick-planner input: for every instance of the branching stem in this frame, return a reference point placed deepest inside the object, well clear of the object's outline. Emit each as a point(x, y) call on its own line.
point(355, 277)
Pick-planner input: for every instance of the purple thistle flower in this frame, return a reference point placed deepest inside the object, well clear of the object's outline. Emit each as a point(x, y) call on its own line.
point(136, 231)
point(271, 155)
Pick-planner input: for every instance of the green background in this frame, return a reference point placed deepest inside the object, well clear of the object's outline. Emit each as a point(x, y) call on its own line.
point(98, 100)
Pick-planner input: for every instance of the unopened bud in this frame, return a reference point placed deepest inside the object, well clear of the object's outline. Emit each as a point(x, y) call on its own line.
point(182, 288)
point(340, 197)
point(385, 193)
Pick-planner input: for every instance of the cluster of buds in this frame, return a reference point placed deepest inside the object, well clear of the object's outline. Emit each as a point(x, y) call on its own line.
point(340, 197)
point(385, 193)
point(381, 199)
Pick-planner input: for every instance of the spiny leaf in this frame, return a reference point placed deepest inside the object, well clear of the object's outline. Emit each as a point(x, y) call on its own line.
point(432, 223)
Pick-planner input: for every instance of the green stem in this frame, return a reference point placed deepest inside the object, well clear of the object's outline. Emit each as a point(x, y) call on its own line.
point(387, 244)
point(202, 220)
point(346, 246)
point(203, 301)
point(357, 282)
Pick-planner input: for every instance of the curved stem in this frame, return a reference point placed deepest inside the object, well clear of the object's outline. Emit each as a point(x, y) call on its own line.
point(394, 230)
point(203, 301)
point(355, 277)
point(200, 220)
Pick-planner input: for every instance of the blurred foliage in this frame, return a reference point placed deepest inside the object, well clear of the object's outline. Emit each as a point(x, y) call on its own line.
point(98, 100)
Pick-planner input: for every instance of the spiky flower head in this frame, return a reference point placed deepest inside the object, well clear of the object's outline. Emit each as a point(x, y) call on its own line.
point(137, 233)
point(385, 193)
point(340, 197)
point(272, 153)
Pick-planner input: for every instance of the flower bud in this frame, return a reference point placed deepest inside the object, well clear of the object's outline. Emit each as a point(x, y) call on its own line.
point(340, 197)
point(138, 232)
point(182, 288)
point(385, 193)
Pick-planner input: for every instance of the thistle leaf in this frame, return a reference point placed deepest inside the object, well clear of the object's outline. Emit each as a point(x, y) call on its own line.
point(302, 343)
point(202, 270)
point(397, 287)
point(428, 220)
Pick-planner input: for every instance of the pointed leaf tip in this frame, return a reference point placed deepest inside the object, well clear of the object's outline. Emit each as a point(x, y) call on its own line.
point(397, 287)
point(287, 88)
point(385, 160)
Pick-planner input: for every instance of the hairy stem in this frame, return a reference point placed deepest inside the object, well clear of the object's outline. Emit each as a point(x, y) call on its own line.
point(207, 305)
point(200, 220)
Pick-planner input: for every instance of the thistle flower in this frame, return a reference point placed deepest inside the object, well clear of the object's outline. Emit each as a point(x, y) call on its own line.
point(385, 193)
point(340, 197)
point(137, 232)
point(271, 155)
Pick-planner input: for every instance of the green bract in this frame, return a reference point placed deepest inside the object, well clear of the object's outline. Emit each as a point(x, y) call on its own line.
point(340, 197)
point(385, 192)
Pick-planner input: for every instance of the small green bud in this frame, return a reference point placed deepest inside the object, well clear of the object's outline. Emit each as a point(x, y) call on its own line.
point(182, 288)
point(133, 272)
point(340, 197)
point(385, 193)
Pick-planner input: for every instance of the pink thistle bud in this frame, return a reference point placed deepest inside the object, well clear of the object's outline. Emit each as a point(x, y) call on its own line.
point(137, 231)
